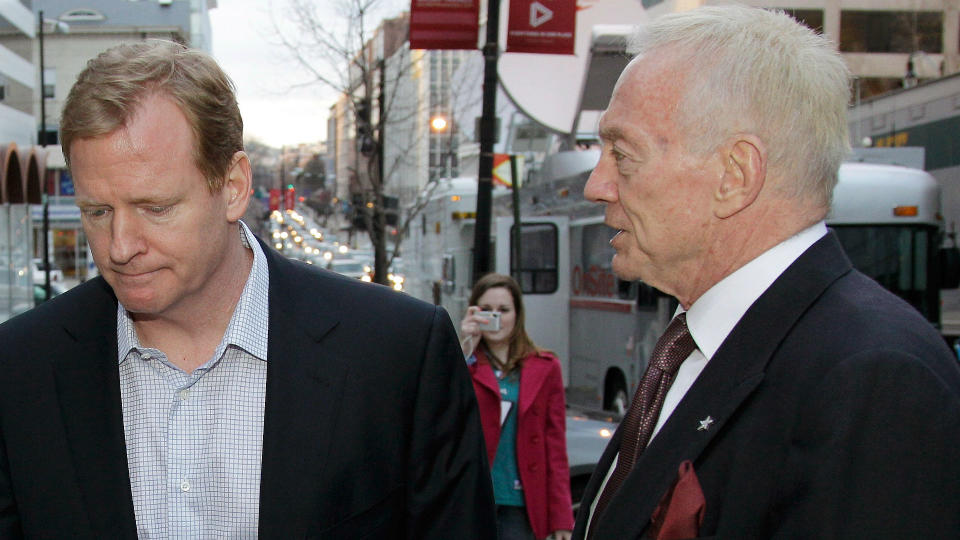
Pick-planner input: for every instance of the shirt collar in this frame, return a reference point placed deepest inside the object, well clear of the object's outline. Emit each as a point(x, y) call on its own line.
point(712, 317)
point(248, 325)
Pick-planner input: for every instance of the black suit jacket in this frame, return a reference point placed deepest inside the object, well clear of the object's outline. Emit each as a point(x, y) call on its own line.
point(370, 427)
point(836, 414)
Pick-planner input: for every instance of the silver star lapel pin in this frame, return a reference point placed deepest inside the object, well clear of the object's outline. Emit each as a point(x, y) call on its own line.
point(705, 423)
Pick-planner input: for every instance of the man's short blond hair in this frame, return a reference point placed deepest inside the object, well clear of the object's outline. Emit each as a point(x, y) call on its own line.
point(112, 86)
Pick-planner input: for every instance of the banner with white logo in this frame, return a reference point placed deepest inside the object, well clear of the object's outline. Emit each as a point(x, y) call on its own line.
point(542, 26)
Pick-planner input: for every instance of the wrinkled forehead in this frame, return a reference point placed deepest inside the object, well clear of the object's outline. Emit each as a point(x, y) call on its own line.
point(650, 86)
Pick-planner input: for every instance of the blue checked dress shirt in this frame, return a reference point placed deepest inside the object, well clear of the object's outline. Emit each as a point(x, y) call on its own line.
point(194, 441)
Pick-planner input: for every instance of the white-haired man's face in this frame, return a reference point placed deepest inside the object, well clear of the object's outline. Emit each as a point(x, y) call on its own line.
point(658, 194)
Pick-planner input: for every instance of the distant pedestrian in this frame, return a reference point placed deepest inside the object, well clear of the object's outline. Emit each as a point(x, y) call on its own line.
point(791, 396)
point(520, 393)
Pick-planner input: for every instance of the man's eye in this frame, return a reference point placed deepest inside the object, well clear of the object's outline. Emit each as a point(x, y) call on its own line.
point(95, 212)
point(158, 210)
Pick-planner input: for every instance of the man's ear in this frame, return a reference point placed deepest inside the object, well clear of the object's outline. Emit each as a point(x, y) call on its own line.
point(744, 174)
point(237, 187)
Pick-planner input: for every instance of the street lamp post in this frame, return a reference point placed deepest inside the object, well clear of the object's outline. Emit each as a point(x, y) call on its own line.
point(63, 27)
point(439, 124)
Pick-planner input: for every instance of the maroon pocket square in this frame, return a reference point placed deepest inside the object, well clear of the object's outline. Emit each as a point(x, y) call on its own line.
point(680, 512)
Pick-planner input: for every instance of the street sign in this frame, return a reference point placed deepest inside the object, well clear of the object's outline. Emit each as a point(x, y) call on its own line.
point(542, 26)
point(444, 24)
point(501, 170)
point(274, 199)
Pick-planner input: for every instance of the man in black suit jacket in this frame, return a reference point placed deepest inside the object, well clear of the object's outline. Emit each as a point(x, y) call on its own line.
point(815, 404)
point(362, 414)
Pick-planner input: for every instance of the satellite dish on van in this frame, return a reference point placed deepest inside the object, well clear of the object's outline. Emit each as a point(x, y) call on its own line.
point(554, 89)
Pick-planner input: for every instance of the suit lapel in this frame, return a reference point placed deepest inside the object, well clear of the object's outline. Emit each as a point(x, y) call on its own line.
point(305, 380)
point(88, 388)
point(730, 377)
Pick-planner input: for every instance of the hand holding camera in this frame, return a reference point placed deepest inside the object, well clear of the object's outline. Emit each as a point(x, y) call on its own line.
point(491, 320)
point(475, 322)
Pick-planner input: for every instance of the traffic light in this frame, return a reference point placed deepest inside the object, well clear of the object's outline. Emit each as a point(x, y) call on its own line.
point(390, 210)
point(364, 207)
point(363, 108)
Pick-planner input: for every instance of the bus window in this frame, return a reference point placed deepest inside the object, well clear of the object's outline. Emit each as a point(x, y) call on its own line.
point(536, 267)
point(595, 261)
point(647, 296)
point(897, 257)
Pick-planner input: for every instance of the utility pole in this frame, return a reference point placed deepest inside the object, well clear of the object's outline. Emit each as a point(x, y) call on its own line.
point(488, 128)
point(517, 251)
point(380, 217)
point(46, 188)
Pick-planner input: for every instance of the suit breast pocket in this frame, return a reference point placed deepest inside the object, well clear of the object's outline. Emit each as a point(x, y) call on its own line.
point(382, 520)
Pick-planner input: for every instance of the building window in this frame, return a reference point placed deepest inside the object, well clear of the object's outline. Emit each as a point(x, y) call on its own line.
point(891, 31)
point(49, 83)
point(76, 15)
point(811, 18)
point(873, 86)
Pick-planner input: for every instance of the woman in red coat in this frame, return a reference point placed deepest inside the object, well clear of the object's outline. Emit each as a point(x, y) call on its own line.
point(520, 394)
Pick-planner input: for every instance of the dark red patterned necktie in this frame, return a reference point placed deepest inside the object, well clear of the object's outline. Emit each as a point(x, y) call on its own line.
point(673, 347)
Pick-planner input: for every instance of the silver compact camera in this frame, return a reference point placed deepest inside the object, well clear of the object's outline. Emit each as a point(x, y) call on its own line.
point(492, 318)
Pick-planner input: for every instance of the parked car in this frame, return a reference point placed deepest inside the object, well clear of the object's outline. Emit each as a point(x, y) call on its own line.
point(587, 436)
point(40, 295)
point(354, 268)
point(39, 276)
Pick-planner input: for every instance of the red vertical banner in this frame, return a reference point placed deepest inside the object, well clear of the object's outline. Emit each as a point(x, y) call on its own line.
point(274, 199)
point(289, 198)
point(444, 24)
point(542, 26)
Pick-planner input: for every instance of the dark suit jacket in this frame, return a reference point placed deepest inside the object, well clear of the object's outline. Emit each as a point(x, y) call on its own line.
point(836, 414)
point(371, 427)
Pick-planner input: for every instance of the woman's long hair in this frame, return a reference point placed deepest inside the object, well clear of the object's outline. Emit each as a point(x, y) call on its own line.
point(520, 343)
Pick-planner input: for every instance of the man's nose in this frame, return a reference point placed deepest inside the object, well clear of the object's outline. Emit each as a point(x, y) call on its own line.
point(599, 186)
point(126, 238)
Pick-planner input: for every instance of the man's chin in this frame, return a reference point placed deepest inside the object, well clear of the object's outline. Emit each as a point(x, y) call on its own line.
point(138, 302)
point(623, 269)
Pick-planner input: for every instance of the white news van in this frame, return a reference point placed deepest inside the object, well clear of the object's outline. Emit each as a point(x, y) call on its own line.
point(603, 329)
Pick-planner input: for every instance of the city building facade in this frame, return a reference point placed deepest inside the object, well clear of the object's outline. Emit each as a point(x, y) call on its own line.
point(887, 44)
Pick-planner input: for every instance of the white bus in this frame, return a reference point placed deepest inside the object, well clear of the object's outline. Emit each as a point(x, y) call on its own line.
point(604, 329)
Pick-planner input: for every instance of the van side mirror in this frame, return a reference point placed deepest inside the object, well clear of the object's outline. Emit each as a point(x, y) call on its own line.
point(449, 274)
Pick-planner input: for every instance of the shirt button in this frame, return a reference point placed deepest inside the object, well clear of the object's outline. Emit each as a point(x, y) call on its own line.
point(184, 394)
point(146, 356)
point(185, 486)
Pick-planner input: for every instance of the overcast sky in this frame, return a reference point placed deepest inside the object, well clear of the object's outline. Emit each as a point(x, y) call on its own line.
point(272, 111)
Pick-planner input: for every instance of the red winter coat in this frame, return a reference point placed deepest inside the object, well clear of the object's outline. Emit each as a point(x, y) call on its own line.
point(541, 437)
